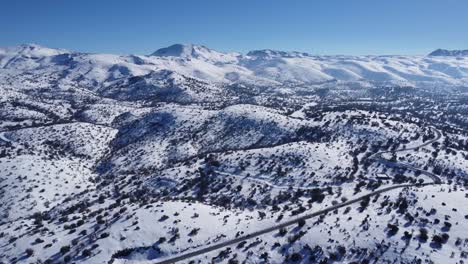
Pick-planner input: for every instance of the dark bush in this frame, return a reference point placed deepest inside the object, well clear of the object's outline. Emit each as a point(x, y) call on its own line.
point(29, 252)
point(86, 253)
point(295, 257)
point(301, 222)
point(64, 249)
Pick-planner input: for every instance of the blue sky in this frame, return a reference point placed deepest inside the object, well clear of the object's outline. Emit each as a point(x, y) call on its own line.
point(319, 27)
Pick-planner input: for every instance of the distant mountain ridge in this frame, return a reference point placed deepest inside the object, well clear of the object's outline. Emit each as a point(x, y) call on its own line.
point(444, 52)
point(277, 53)
point(259, 67)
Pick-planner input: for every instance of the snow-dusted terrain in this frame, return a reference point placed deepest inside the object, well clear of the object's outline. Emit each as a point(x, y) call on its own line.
point(201, 156)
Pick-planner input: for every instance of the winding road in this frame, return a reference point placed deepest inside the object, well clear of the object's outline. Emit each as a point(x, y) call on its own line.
point(427, 143)
point(376, 156)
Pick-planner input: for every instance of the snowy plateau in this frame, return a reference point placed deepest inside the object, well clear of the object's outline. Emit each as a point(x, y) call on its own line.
point(191, 155)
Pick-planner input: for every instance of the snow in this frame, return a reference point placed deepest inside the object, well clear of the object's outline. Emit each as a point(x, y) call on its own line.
point(28, 196)
point(105, 152)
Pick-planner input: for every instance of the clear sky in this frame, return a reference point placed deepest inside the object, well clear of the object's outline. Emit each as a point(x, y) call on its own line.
point(319, 27)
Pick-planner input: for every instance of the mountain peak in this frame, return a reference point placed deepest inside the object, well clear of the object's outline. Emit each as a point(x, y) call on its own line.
point(444, 52)
point(31, 46)
point(30, 50)
point(177, 50)
point(192, 51)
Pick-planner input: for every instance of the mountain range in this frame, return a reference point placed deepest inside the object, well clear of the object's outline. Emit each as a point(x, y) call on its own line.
point(260, 67)
point(452, 53)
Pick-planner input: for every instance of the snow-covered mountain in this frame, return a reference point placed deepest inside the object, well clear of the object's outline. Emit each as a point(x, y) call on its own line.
point(263, 67)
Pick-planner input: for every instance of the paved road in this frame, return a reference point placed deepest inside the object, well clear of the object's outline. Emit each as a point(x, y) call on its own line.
point(433, 176)
point(376, 156)
point(284, 224)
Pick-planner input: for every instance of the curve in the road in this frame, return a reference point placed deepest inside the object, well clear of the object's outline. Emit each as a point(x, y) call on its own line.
point(4, 138)
point(378, 157)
